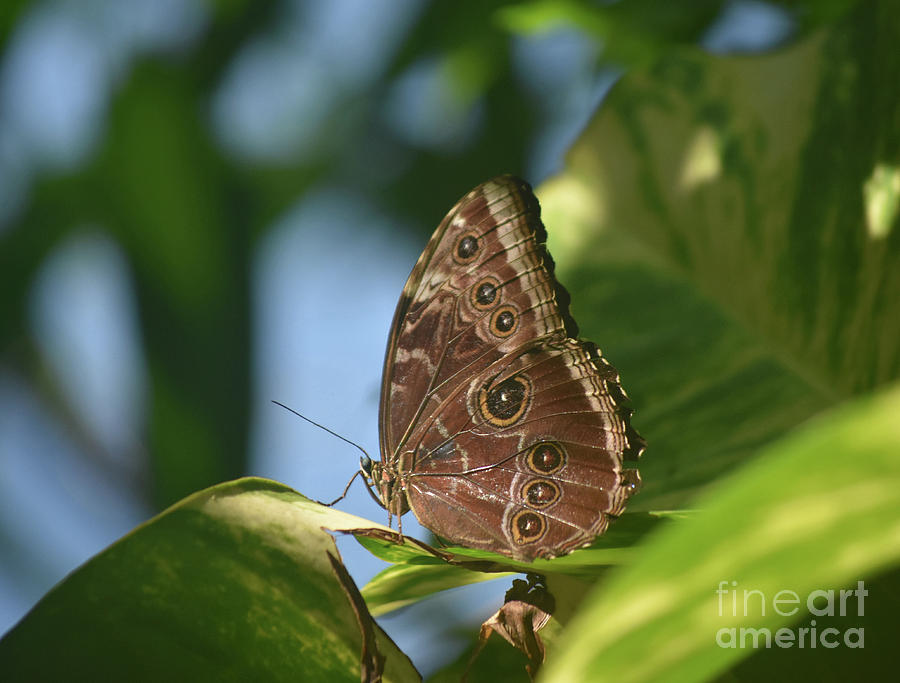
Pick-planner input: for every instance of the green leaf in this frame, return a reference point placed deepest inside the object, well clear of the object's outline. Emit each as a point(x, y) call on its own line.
point(232, 583)
point(404, 584)
point(418, 574)
point(712, 229)
point(818, 510)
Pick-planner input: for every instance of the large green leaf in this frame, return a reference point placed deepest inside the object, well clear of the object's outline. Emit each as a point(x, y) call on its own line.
point(819, 510)
point(715, 230)
point(237, 582)
point(728, 229)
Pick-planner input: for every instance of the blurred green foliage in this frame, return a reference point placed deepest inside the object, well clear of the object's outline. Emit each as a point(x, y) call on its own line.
point(188, 215)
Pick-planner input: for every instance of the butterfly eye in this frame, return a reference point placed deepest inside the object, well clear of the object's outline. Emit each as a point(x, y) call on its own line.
point(527, 526)
point(503, 404)
point(484, 293)
point(365, 465)
point(546, 458)
point(540, 493)
point(504, 321)
point(467, 248)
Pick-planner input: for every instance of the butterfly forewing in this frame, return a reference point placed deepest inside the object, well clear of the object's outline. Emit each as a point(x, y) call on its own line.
point(503, 432)
point(479, 290)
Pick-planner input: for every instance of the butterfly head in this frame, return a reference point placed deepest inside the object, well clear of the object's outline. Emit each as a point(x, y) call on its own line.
point(372, 475)
point(366, 465)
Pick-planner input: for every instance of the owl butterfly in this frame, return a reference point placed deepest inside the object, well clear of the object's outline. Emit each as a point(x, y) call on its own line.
point(499, 429)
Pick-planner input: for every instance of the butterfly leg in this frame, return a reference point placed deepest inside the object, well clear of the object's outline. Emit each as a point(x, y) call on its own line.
point(344, 494)
point(397, 495)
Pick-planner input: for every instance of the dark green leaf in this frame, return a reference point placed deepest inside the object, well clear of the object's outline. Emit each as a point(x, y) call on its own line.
point(233, 583)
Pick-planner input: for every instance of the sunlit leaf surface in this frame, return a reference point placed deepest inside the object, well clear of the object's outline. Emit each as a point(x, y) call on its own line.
point(233, 583)
point(807, 515)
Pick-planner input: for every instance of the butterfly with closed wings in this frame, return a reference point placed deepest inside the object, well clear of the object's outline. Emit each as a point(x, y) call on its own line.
point(499, 429)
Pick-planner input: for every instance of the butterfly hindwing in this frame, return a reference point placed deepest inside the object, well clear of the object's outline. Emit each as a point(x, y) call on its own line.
point(527, 457)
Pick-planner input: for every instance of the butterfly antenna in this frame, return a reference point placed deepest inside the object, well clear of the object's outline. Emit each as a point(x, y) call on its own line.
point(333, 433)
point(316, 424)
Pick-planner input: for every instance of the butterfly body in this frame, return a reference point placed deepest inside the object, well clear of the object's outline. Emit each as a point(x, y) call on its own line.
point(499, 429)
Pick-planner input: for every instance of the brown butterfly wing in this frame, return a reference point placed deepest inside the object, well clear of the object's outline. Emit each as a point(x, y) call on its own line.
point(485, 263)
point(526, 459)
point(505, 433)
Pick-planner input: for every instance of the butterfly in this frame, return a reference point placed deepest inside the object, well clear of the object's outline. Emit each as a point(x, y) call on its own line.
point(499, 429)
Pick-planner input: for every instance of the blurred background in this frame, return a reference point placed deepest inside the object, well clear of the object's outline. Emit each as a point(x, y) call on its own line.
point(207, 205)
